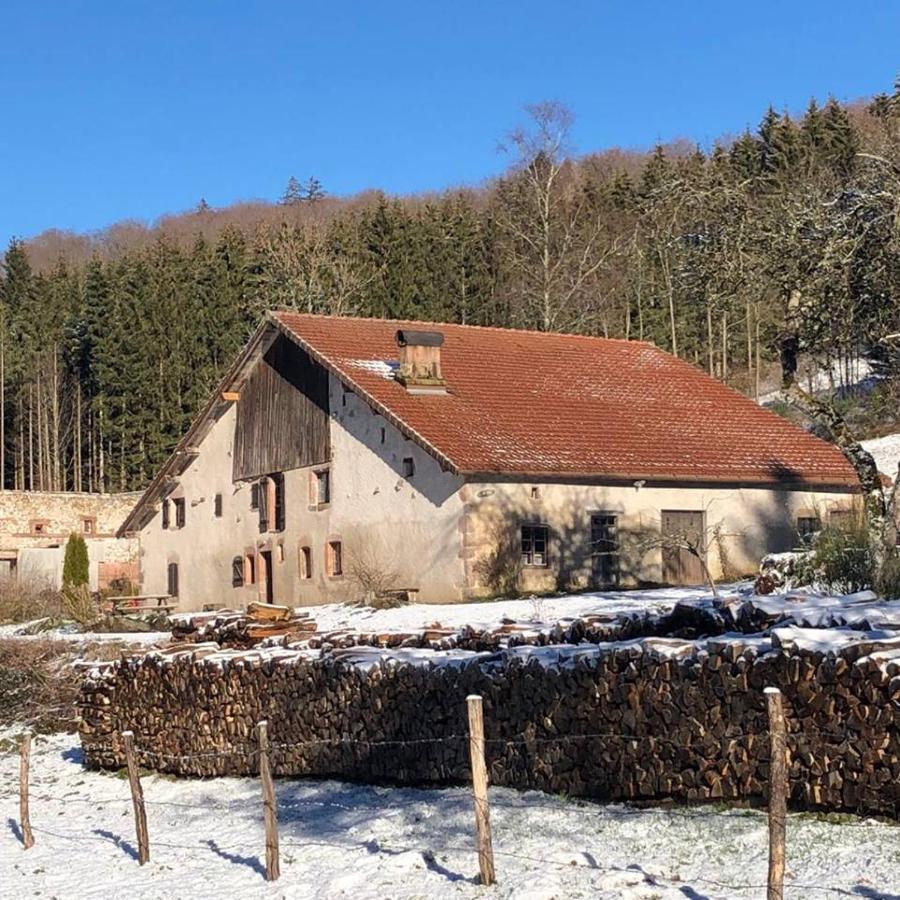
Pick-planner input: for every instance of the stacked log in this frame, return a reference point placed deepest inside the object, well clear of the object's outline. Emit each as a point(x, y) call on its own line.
point(243, 629)
point(648, 720)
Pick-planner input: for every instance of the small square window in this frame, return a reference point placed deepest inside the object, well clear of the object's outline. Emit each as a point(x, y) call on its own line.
point(335, 558)
point(409, 467)
point(305, 562)
point(535, 493)
point(40, 527)
point(534, 541)
point(88, 525)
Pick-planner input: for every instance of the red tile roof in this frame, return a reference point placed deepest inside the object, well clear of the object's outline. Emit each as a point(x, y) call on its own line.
point(524, 403)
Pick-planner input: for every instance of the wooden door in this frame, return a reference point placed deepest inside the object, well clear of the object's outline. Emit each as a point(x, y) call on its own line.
point(266, 574)
point(679, 565)
point(604, 550)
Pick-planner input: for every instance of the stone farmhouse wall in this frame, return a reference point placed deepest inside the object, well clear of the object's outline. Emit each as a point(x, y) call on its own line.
point(653, 720)
point(35, 525)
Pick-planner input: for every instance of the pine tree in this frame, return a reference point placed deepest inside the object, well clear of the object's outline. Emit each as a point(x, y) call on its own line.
point(840, 141)
point(780, 148)
point(745, 157)
point(812, 135)
point(293, 193)
point(657, 172)
point(312, 190)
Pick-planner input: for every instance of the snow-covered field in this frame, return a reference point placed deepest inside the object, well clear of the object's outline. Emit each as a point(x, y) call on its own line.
point(341, 840)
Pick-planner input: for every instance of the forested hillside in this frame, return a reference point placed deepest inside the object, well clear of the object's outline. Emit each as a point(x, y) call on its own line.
point(782, 242)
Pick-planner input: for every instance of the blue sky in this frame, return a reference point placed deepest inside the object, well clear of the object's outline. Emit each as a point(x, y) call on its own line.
point(113, 110)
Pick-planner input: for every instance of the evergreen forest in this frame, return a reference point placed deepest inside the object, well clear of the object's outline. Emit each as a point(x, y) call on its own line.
point(769, 256)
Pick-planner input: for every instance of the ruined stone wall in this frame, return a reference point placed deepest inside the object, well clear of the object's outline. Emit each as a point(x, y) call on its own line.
point(650, 720)
point(60, 513)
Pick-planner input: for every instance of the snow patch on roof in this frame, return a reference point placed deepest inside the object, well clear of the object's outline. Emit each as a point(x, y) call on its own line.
point(384, 368)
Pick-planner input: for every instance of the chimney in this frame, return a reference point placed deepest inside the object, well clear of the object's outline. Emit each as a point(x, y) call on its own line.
point(420, 361)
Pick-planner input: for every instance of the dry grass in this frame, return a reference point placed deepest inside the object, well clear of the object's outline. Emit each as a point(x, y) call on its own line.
point(39, 686)
point(22, 600)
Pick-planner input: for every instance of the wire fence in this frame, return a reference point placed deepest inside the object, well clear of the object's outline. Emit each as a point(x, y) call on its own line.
point(44, 793)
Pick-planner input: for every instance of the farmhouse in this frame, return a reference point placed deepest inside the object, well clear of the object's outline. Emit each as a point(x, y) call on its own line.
point(342, 456)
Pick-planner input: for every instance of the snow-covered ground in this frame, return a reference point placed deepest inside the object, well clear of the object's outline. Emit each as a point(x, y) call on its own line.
point(830, 380)
point(886, 451)
point(341, 840)
point(71, 633)
point(489, 614)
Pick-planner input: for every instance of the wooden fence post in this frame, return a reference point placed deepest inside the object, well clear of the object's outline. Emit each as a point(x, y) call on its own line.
point(480, 789)
point(270, 810)
point(778, 793)
point(24, 816)
point(137, 798)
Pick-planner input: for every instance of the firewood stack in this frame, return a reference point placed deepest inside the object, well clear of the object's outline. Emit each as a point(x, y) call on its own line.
point(240, 630)
point(659, 719)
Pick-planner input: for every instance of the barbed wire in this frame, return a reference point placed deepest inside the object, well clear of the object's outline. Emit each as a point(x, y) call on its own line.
point(524, 740)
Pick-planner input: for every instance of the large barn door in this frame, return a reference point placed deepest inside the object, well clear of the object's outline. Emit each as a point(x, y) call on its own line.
point(680, 566)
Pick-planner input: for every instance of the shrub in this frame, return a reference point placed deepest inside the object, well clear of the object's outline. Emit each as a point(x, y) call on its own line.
point(841, 559)
point(501, 567)
point(38, 683)
point(889, 578)
point(375, 579)
point(76, 571)
point(79, 604)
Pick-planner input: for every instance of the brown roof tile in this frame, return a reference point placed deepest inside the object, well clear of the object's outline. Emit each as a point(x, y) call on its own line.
point(534, 404)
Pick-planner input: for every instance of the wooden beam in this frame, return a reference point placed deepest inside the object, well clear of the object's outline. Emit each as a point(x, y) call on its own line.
point(231, 396)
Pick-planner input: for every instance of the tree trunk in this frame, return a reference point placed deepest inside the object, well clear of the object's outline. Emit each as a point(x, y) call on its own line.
point(724, 346)
point(76, 471)
point(30, 438)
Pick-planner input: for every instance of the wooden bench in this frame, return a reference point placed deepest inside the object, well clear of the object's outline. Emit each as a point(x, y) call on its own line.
point(401, 595)
point(140, 603)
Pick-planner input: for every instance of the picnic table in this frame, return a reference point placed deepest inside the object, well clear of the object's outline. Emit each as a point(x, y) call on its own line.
point(137, 603)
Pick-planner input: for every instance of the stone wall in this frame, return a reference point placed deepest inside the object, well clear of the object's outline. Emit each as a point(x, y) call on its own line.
point(650, 720)
point(60, 513)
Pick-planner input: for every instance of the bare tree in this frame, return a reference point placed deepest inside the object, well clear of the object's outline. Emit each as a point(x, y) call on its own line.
point(695, 541)
point(557, 242)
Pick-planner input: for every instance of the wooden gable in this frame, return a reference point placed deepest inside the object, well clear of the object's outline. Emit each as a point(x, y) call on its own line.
point(282, 414)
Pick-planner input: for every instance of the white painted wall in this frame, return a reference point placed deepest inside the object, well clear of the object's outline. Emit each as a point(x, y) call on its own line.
point(409, 528)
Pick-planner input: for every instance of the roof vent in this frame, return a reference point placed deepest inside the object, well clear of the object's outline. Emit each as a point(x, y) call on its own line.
point(420, 361)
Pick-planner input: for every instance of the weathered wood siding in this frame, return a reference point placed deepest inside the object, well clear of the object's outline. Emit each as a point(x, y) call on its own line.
point(282, 414)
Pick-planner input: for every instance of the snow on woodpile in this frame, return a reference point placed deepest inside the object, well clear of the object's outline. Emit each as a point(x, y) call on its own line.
point(654, 718)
